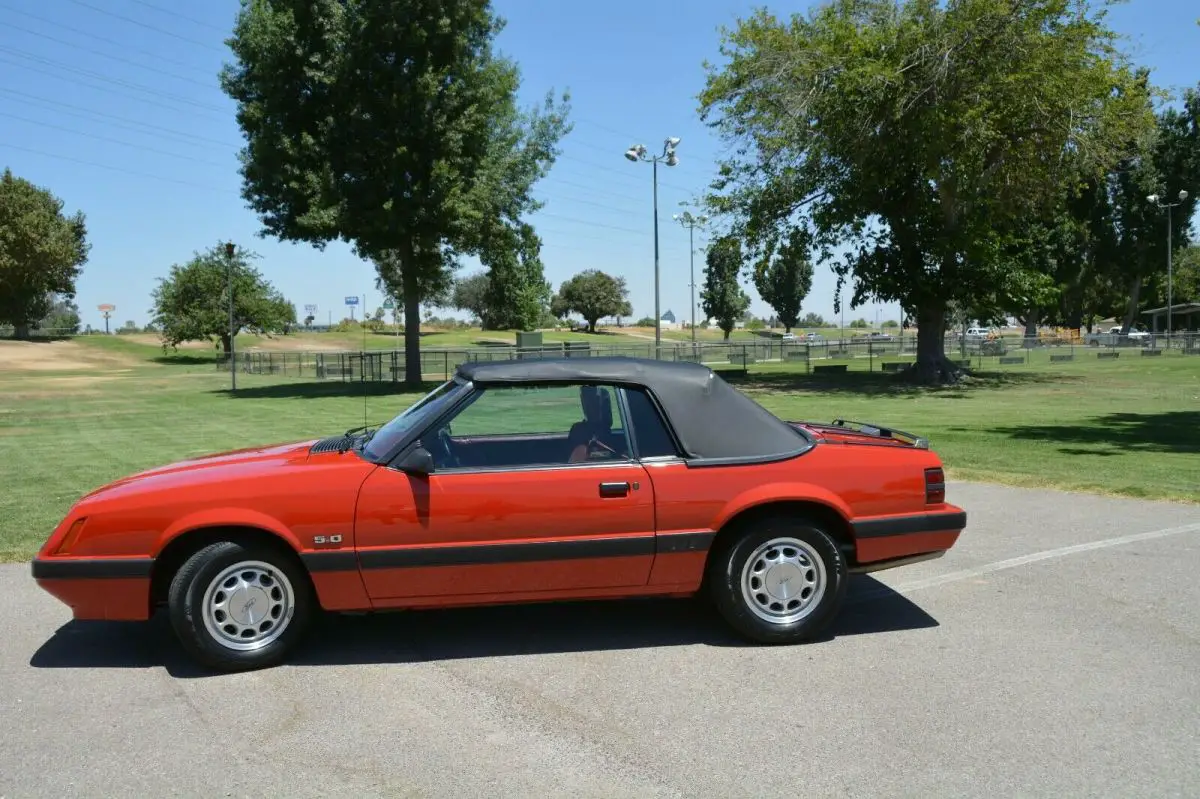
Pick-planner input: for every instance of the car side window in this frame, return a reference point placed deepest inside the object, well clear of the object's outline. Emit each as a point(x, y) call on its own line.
point(530, 426)
point(653, 438)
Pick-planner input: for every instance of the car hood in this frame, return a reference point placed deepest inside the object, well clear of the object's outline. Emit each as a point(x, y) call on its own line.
point(238, 462)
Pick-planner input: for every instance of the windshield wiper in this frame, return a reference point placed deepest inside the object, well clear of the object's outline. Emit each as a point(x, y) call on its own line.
point(349, 435)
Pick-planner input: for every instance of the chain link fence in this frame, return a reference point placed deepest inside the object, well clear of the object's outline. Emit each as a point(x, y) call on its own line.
point(816, 355)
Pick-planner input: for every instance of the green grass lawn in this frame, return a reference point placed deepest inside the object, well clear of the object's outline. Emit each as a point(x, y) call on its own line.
point(1128, 427)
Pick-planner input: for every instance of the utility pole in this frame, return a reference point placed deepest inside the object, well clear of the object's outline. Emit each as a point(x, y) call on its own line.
point(638, 153)
point(229, 249)
point(691, 223)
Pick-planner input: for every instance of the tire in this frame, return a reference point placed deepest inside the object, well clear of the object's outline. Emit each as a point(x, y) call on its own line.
point(215, 598)
point(775, 555)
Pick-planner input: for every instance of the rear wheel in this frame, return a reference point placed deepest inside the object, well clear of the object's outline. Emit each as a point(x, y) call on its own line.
point(236, 607)
point(781, 581)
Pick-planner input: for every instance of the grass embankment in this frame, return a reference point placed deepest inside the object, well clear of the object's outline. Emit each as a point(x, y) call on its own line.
point(77, 414)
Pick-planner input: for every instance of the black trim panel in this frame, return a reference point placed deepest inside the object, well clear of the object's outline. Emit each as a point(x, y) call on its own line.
point(481, 554)
point(674, 543)
point(90, 568)
point(334, 560)
point(907, 525)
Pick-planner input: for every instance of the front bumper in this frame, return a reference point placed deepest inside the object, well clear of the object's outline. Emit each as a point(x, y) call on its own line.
point(112, 589)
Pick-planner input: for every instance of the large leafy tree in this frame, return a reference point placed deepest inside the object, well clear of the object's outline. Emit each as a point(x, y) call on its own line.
point(192, 302)
point(517, 291)
point(42, 252)
point(1187, 274)
point(1166, 161)
point(910, 132)
point(785, 280)
point(722, 297)
point(592, 294)
point(389, 124)
point(471, 294)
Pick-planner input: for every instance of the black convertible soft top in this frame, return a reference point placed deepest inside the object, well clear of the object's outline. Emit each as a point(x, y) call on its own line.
point(712, 419)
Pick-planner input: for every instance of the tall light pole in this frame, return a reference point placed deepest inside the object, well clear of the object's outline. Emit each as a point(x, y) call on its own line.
point(691, 223)
point(229, 249)
point(1153, 198)
point(636, 153)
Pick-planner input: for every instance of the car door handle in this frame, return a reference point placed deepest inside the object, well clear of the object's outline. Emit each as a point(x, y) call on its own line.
point(614, 489)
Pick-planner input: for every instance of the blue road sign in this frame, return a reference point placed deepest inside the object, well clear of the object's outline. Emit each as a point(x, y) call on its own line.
point(352, 300)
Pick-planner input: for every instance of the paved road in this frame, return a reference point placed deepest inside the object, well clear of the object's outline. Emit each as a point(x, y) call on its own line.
point(1055, 653)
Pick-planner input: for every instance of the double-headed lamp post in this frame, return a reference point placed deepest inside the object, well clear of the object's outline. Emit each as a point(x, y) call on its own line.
point(1155, 199)
point(691, 223)
point(636, 153)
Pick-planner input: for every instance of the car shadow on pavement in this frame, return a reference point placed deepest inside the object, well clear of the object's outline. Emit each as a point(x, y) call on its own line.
point(497, 631)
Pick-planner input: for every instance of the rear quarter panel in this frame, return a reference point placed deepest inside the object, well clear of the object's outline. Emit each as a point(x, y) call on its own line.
point(858, 482)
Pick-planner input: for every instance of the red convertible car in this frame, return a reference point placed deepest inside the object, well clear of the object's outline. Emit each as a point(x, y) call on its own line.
point(515, 481)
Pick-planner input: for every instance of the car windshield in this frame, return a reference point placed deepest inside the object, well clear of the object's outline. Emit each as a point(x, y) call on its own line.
point(429, 405)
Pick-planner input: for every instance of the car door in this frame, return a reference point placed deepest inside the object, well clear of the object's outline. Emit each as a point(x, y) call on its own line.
point(505, 510)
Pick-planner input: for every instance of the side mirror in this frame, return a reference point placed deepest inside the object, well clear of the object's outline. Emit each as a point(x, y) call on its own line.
point(417, 461)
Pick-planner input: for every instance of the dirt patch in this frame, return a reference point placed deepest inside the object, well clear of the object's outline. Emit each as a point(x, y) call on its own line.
point(58, 356)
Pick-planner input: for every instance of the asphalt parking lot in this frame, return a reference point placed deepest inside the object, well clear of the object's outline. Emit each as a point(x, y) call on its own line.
point(1055, 652)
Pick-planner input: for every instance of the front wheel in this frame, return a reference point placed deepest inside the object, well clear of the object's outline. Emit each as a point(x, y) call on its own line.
point(781, 581)
point(237, 607)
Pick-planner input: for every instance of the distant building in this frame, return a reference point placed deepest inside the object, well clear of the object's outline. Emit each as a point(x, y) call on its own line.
point(667, 321)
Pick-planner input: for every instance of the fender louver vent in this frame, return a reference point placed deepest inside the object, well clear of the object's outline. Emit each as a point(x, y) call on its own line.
point(329, 444)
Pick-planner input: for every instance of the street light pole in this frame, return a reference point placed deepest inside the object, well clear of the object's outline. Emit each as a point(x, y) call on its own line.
point(229, 249)
point(691, 223)
point(1153, 198)
point(636, 153)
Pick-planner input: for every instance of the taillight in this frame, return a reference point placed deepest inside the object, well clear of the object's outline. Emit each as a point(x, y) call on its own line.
point(935, 486)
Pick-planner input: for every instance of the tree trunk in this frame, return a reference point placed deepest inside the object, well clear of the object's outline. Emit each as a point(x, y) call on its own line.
point(21, 331)
point(1031, 325)
point(592, 325)
point(1135, 290)
point(412, 323)
point(932, 366)
point(225, 344)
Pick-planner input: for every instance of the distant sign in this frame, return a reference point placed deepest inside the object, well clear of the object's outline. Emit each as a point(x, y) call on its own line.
point(310, 308)
point(388, 304)
point(352, 300)
point(106, 308)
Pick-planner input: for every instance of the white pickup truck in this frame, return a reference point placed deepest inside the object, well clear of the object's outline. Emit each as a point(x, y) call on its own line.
point(1113, 338)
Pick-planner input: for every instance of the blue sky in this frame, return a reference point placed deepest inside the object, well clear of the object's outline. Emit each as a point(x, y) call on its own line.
point(114, 106)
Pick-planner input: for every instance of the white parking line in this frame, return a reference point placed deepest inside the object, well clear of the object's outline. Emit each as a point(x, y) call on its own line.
point(1012, 563)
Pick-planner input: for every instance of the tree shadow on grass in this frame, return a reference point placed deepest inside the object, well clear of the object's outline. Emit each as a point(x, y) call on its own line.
point(325, 388)
point(465, 633)
point(185, 359)
point(886, 384)
point(1170, 431)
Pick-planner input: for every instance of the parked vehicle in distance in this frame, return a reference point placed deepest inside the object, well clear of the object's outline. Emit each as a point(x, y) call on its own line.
point(1114, 338)
point(518, 481)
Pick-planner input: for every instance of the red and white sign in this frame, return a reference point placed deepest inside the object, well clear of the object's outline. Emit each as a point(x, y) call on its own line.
point(106, 308)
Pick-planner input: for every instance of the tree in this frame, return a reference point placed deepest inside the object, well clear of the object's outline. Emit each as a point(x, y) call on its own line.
point(471, 294)
point(192, 302)
point(517, 290)
point(909, 131)
point(1187, 274)
point(41, 252)
point(391, 125)
point(784, 282)
point(63, 316)
point(722, 298)
point(593, 294)
point(812, 320)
